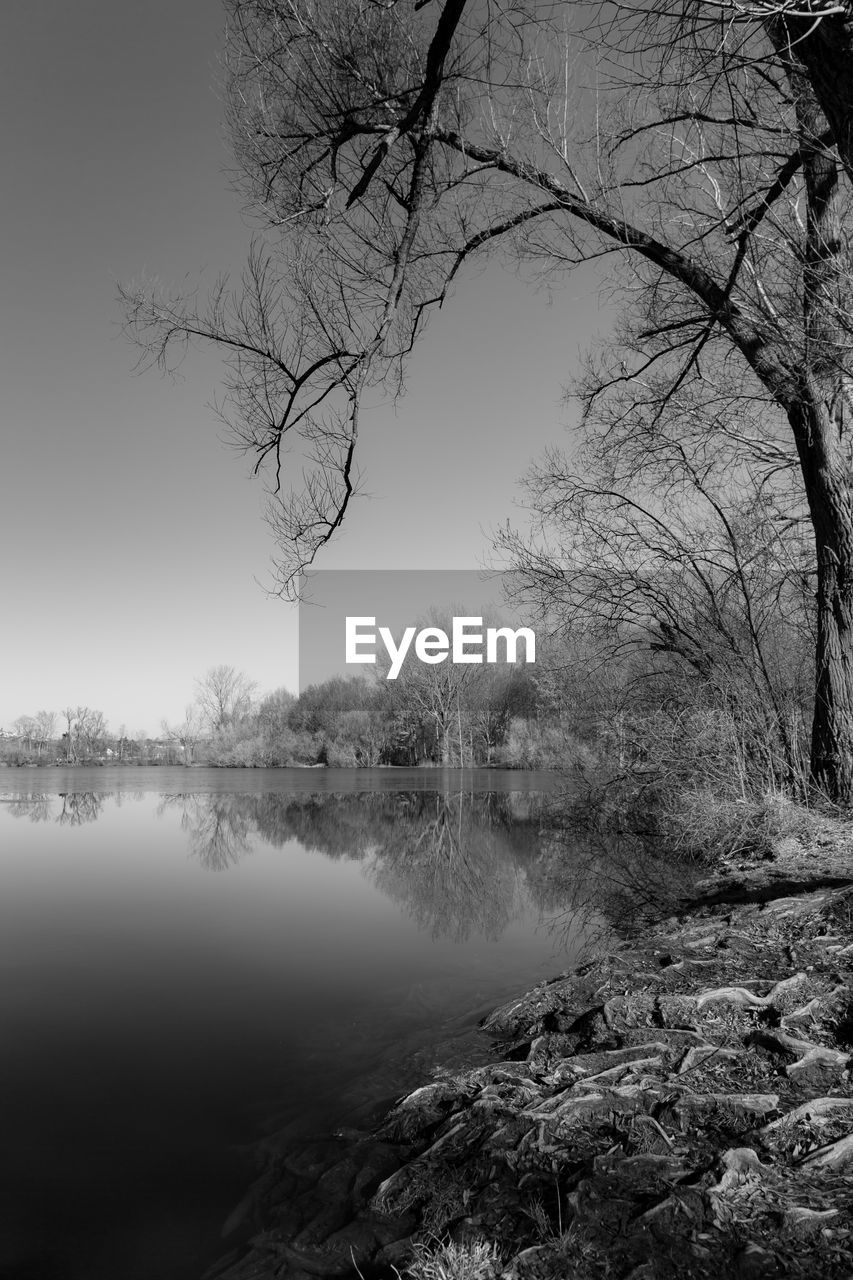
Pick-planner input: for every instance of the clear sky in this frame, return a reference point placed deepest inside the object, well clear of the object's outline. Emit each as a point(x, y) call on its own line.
point(133, 542)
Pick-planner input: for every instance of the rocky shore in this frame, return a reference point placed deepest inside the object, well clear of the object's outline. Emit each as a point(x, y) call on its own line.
point(679, 1107)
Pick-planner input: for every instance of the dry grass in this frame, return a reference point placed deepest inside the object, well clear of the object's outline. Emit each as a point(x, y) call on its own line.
point(702, 824)
point(446, 1260)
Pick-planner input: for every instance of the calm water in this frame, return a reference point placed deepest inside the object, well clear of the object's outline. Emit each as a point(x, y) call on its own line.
point(193, 959)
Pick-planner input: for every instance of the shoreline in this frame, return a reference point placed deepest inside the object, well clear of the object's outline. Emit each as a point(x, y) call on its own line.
point(681, 1104)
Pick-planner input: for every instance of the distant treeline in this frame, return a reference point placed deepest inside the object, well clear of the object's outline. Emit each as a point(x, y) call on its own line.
point(499, 720)
point(452, 716)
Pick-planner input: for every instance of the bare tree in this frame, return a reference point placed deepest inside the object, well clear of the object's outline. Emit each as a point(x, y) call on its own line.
point(660, 538)
point(45, 729)
point(224, 696)
point(69, 716)
point(91, 730)
point(26, 729)
point(432, 693)
point(186, 733)
point(709, 145)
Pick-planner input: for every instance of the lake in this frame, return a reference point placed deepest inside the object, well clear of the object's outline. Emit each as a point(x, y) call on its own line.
point(195, 960)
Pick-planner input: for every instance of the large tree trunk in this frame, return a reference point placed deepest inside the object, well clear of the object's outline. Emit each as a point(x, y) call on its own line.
point(832, 727)
point(820, 417)
point(829, 486)
point(823, 44)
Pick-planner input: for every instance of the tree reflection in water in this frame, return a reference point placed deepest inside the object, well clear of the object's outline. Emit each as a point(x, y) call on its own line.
point(452, 862)
point(218, 827)
point(451, 859)
point(73, 807)
point(33, 806)
point(458, 862)
point(78, 807)
point(623, 880)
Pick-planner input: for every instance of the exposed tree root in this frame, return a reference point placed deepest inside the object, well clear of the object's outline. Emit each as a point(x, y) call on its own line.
point(748, 999)
point(836, 1155)
point(814, 1111)
point(660, 1126)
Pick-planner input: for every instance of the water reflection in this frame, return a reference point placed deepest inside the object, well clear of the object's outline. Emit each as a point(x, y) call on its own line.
point(454, 863)
point(68, 808)
point(77, 807)
point(219, 831)
point(33, 806)
point(452, 860)
point(458, 862)
point(159, 1019)
point(623, 880)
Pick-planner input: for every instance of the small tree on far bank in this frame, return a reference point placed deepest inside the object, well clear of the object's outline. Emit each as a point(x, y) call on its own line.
point(69, 716)
point(224, 696)
point(186, 733)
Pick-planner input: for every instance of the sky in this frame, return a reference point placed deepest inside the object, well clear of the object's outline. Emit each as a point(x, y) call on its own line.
point(135, 554)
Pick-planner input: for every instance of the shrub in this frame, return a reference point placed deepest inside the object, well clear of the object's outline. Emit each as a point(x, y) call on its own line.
point(700, 823)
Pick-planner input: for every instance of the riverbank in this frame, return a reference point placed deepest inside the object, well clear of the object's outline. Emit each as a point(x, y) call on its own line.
point(679, 1106)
